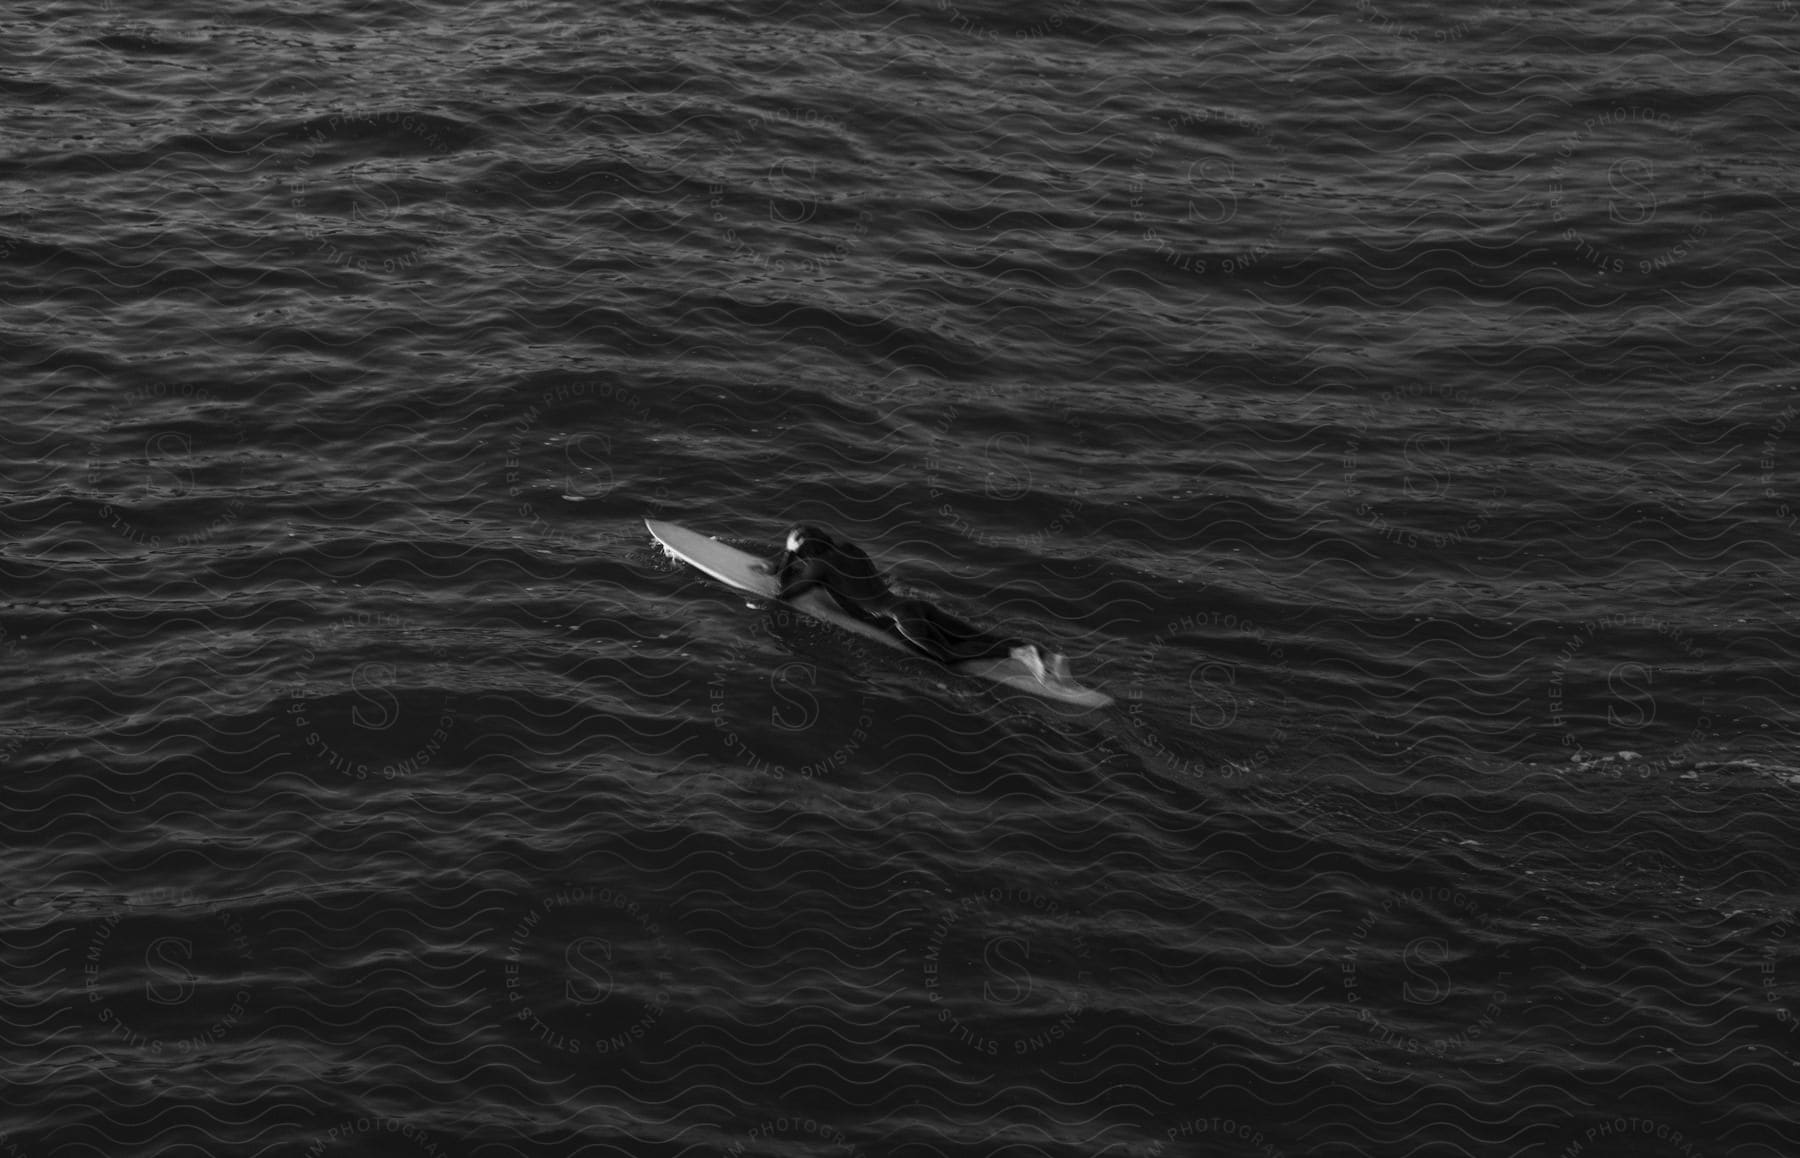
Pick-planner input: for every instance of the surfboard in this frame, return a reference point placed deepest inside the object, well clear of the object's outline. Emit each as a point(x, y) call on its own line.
point(754, 574)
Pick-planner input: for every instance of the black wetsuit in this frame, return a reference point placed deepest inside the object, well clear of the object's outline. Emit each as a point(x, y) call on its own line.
point(847, 572)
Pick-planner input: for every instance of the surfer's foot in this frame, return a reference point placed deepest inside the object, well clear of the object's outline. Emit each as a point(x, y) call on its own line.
point(1048, 668)
point(1033, 660)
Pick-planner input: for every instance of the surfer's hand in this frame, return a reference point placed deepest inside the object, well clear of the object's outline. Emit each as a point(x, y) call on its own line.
point(797, 588)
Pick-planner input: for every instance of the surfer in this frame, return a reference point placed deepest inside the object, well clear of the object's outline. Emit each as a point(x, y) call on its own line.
point(816, 558)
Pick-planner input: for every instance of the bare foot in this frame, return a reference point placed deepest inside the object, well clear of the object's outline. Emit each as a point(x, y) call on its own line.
point(1028, 655)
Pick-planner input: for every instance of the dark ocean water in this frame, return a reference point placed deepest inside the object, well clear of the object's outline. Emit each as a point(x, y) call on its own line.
point(1393, 408)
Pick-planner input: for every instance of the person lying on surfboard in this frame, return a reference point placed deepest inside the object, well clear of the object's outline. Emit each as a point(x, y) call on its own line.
point(816, 558)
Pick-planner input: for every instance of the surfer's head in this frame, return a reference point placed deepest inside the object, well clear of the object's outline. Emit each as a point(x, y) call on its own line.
point(805, 533)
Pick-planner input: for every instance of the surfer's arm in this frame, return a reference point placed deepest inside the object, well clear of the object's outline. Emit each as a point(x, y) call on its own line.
point(808, 575)
point(798, 588)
